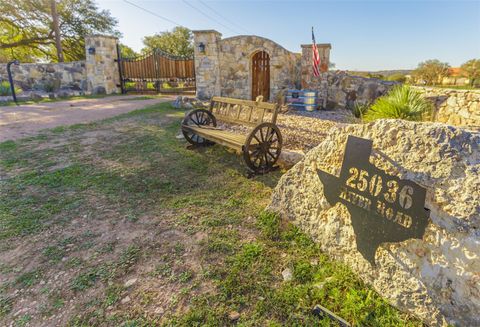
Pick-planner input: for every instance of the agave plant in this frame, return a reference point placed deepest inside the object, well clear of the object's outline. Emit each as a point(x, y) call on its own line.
point(402, 102)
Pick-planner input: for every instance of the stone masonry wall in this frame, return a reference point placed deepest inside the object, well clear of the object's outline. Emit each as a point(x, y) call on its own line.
point(337, 88)
point(224, 68)
point(454, 107)
point(235, 66)
point(48, 77)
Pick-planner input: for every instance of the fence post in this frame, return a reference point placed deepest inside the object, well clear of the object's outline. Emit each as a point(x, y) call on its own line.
point(120, 73)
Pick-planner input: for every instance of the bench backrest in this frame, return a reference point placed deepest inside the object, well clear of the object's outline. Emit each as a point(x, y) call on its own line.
point(246, 112)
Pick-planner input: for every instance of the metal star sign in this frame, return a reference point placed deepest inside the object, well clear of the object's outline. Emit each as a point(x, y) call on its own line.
point(382, 207)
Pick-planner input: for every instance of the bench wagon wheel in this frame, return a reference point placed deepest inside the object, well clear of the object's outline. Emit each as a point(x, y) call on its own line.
point(262, 147)
point(198, 117)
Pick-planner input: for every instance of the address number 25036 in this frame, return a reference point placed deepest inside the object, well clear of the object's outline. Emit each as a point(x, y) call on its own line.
point(359, 179)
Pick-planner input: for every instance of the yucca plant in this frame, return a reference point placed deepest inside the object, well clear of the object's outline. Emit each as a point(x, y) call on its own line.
point(402, 102)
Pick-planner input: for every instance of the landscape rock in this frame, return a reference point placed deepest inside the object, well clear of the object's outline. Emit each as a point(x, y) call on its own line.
point(435, 278)
point(99, 90)
point(287, 274)
point(130, 282)
point(233, 315)
point(288, 158)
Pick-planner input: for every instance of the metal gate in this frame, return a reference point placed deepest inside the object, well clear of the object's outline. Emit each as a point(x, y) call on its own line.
point(156, 72)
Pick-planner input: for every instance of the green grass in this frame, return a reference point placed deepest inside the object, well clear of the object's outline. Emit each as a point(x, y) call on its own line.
point(144, 177)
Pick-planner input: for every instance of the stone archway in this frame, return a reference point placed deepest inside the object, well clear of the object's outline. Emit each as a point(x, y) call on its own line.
point(260, 64)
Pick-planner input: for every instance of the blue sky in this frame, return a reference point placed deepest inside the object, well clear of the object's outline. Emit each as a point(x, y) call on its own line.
point(365, 35)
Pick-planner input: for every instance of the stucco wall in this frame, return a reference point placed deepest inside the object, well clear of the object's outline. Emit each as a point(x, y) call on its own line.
point(48, 77)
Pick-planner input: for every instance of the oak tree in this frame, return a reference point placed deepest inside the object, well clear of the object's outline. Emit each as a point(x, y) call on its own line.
point(471, 70)
point(432, 71)
point(177, 42)
point(27, 29)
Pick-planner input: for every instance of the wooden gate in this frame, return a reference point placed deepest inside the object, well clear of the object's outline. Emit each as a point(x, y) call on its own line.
point(261, 75)
point(156, 72)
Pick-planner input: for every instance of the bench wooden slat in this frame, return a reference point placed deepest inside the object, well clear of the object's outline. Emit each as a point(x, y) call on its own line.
point(226, 138)
point(245, 112)
point(261, 105)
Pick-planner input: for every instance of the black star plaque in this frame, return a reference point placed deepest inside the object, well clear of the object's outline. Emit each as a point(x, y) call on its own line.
point(382, 207)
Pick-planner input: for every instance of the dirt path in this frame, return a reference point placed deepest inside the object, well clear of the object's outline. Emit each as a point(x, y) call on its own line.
point(26, 120)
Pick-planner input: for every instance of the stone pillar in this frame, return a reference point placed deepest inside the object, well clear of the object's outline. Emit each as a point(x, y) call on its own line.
point(102, 69)
point(306, 66)
point(207, 63)
point(320, 84)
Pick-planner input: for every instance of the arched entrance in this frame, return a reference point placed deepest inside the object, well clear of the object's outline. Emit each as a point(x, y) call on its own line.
point(261, 75)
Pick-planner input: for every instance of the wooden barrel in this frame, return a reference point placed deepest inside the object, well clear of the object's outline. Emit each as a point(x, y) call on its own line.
point(302, 99)
point(310, 100)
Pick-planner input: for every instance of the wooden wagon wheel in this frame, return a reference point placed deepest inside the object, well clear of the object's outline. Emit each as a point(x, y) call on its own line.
point(198, 117)
point(262, 147)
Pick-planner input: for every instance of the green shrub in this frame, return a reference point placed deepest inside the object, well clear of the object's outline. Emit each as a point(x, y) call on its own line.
point(402, 102)
point(360, 109)
point(397, 78)
point(4, 88)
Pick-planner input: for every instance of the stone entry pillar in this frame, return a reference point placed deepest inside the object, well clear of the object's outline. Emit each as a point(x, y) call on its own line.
point(307, 61)
point(207, 63)
point(102, 69)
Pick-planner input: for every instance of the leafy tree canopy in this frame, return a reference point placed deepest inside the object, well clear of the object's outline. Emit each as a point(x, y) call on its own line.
point(127, 52)
point(177, 42)
point(471, 70)
point(432, 71)
point(26, 31)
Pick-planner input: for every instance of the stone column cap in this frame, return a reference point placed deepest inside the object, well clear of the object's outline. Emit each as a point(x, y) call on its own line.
point(102, 35)
point(319, 45)
point(206, 31)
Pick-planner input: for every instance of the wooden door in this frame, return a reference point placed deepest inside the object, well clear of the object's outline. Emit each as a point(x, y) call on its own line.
point(261, 75)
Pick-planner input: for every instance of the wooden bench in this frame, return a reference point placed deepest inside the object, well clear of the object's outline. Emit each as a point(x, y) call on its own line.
point(260, 148)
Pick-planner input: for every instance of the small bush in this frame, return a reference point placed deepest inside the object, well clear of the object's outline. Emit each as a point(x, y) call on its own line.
point(5, 88)
point(397, 78)
point(360, 109)
point(402, 102)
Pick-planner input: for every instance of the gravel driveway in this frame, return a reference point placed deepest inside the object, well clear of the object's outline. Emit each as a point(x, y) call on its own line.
point(27, 120)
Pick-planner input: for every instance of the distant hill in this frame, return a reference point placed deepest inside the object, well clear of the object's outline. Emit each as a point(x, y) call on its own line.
point(384, 73)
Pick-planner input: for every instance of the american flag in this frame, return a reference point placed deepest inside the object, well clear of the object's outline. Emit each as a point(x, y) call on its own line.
point(315, 57)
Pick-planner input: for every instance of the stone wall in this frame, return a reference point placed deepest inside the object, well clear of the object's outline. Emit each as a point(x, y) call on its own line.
point(48, 77)
point(454, 107)
point(235, 66)
point(224, 68)
point(436, 277)
point(97, 74)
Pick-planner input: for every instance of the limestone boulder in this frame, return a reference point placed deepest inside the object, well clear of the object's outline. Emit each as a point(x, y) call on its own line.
point(436, 278)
